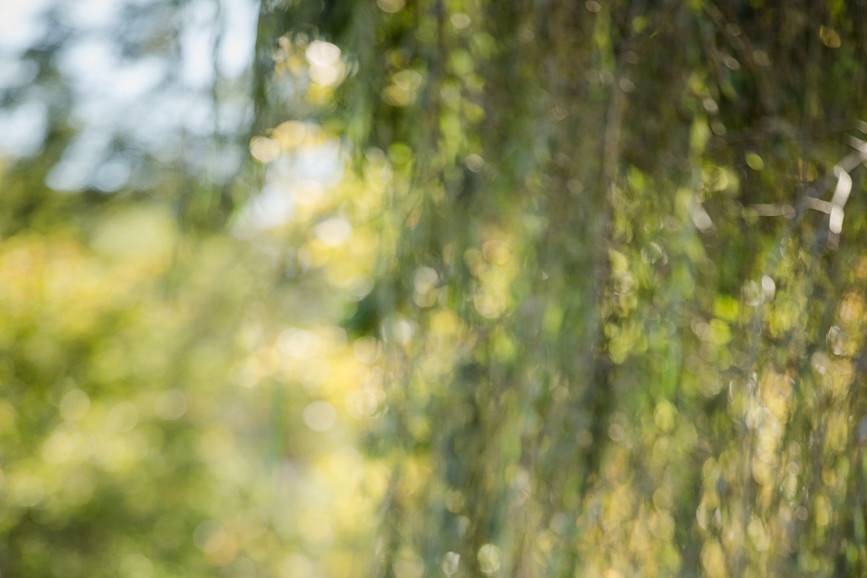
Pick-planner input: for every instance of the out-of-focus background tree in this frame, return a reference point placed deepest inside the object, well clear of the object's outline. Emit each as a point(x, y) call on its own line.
point(411, 288)
point(177, 396)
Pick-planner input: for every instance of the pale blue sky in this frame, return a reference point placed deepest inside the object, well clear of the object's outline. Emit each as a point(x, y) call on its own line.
point(152, 102)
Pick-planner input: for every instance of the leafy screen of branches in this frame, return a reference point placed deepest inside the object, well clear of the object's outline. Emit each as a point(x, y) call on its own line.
point(525, 288)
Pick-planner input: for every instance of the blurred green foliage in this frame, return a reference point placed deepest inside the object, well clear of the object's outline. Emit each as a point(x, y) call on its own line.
point(562, 289)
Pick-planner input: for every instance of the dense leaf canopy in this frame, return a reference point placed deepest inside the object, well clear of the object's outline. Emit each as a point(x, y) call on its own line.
point(499, 288)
